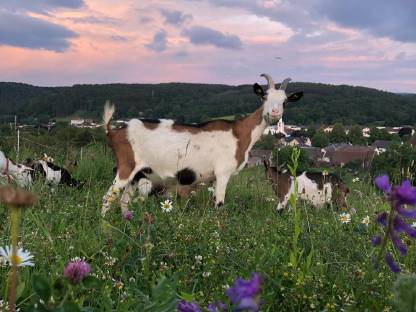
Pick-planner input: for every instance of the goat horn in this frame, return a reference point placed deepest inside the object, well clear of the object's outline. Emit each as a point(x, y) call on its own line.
point(269, 80)
point(284, 84)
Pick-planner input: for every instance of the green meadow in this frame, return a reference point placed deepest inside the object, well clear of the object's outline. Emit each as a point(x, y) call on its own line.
point(195, 252)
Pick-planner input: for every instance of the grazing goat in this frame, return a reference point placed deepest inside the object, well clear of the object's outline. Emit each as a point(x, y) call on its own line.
point(9, 171)
point(169, 153)
point(314, 187)
point(145, 188)
point(53, 174)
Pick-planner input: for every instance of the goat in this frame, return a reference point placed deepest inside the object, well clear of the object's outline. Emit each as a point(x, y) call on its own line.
point(314, 187)
point(169, 153)
point(18, 173)
point(145, 188)
point(53, 174)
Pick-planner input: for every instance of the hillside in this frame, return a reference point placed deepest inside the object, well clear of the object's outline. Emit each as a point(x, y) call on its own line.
point(186, 102)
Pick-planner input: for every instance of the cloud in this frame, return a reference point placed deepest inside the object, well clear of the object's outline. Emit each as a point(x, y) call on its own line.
point(204, 35)
point(119, 38)
point(40, 6)
point(393, 19)
point(159, 42)
point(175, 17)
point(33, 33)
point(92, 19)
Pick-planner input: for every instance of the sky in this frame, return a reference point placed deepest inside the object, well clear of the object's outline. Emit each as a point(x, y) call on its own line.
point(370, 43)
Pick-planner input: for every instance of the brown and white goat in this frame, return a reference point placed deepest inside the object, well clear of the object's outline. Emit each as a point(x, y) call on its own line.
point(315, 187)
point(169, 153)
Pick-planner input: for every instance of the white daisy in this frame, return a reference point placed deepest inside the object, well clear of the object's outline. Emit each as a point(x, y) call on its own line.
point(345, 217)
point(413, 225)
point(23, 258)
point(355, 179)
point(365, 220)
point(166, 205)
point(211, 189)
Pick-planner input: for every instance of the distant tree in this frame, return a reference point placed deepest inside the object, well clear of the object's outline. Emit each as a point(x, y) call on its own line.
point(405, 132)
point(355, 136)
point(399, 162)
point(338, 135)
point(320, 139)
point(379, 134)
point(284, 158)
point(266, 142)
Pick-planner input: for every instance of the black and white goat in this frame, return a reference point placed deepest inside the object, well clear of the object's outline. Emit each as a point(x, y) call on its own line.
point(169, 153)
point(52, 174)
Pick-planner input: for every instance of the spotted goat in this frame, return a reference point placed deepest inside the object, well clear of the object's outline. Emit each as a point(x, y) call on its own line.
point(316, 188)
point(45, 169)
point(173, 154)
point(12, 172)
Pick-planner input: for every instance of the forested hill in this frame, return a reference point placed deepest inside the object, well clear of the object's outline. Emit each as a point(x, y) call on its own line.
point(186, 102)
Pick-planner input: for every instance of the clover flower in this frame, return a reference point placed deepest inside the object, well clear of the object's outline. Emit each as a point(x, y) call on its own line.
point(399, 196)
point(166, 206)
point(186, 306)
point(76, 271)
point(128, 215)
point(22, 258)
point(244, 295)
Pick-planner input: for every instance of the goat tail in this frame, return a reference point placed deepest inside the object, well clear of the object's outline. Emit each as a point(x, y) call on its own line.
point(108, 114)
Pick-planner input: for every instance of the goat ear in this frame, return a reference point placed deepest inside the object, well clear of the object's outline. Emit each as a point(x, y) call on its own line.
point(258, 90)
point(293, 97)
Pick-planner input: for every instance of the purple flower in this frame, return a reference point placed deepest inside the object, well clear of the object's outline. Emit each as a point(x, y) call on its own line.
point(186, 306)
point(382, 218)
point(408, 213)
point(383, 183)
point(244, 293)
point(405, 193)
point(397, 242)
point(128, 215)
point(76, 271)
point(217, 307)
point(376, 240)
point(400, 226)
point(392, 264)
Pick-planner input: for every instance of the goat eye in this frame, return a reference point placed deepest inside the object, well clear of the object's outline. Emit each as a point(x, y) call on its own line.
point(285, 103)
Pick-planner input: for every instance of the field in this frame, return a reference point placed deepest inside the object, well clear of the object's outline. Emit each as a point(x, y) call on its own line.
point(196, 252)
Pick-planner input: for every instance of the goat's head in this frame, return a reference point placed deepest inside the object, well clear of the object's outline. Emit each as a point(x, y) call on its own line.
point(274, 100)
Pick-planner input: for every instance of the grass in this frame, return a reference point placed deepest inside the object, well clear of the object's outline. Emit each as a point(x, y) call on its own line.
point(130, 258)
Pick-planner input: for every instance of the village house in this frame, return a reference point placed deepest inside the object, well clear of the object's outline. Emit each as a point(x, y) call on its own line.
point(256, 157)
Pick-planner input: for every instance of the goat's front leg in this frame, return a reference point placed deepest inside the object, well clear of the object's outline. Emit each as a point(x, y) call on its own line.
point(220, 187)
point(112, 194)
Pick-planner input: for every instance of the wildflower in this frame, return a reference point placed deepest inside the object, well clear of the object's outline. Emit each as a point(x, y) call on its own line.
point(186, 306)
point(76, 271)
point(398, 196)
point(198, 259)
point(365, 220)
point(206, 274)
point(128, 215)
point(356, 179)
point(413, 224)
point(22, 258)
point(166, 206)
point(211, 189)
point(270, 199)
point(244, 295)
point(217, 307)
point(324, 172)
point(345, 217)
